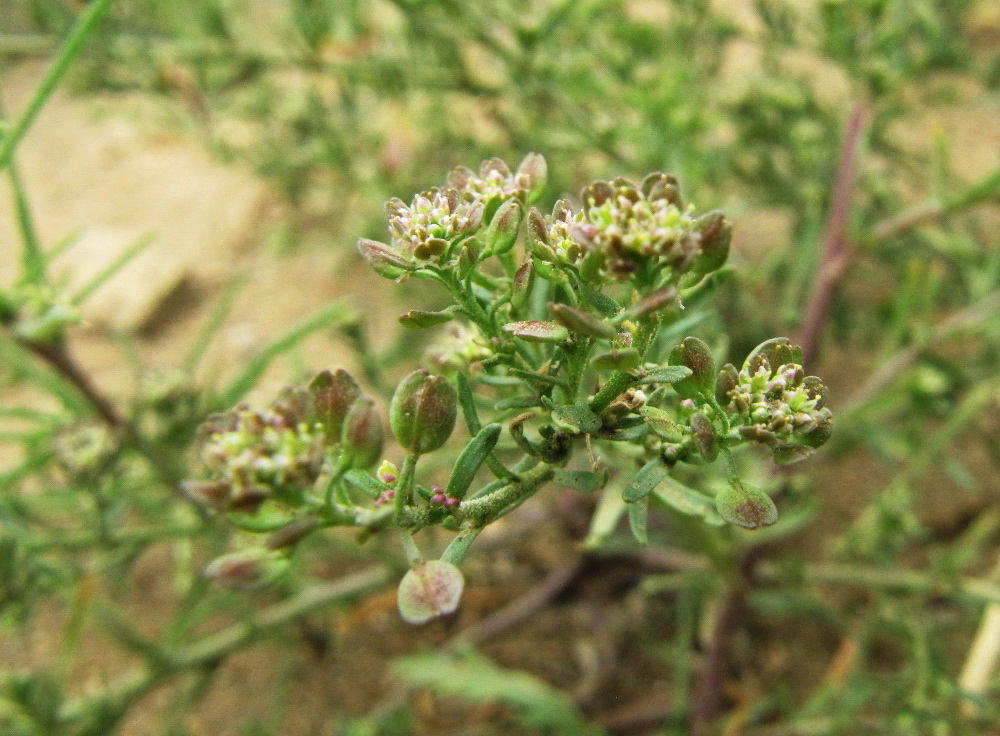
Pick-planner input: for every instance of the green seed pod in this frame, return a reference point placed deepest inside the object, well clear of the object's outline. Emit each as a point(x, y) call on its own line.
point(818, 435)
point(430, 588)
point(332, 395)
point(361, 436)
point(694, 354)
point(746, 506)
point(423, 411)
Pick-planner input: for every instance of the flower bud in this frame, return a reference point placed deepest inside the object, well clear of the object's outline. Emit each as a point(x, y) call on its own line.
point(653, 302)
point(581, 322)
point(524, 280)
point(716, 234)
point(419, 319)
point(536, 331)
point(249, 570)
point(503, 229)
point(694, 354)
point(423, 411)
point(703, 436)
point(387, 261)
point(332, 396)
point(661, 186)
point(532, 175)
point(619, 359)
point(725, 382)
point(361, 436)
point(746, 506)
point(292, 533)
point(213, 494)
point(430, 588)
point(775, 352)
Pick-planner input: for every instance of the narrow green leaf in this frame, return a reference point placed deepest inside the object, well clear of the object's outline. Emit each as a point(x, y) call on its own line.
point(332, 314)
point(688, 501)
point(609, 511)
point(581, 480)
point(218, 315)
point(648, 477)
point(666, 374)
point(365, 482)
point(467, 403)
point(576, 418)
point(471, 458)
point(638, 519)
point(116, 265)
point(478, 680)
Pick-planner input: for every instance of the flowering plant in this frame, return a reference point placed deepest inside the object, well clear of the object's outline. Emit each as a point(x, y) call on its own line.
point(557, 353)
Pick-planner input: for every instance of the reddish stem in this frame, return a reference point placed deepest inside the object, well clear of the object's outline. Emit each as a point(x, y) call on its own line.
point(836, 253)
point(59, 358)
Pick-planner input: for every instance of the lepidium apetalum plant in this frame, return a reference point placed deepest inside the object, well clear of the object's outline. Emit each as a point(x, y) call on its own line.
point(553, 357)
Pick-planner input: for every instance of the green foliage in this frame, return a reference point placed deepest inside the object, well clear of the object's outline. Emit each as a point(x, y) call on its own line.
point(476, 679)
point(588, 367)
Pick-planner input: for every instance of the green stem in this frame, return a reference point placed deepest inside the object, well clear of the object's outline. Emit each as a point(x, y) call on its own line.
point(468, 303)
point(576, 359)
point(413, 553)
point(404, 487)
point(70, 48)
point(485, 509)
point(621, 380)
point(32, 258)
point(455, 552)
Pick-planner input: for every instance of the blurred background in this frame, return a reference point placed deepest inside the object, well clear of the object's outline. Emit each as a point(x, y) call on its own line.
point(197, 183)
